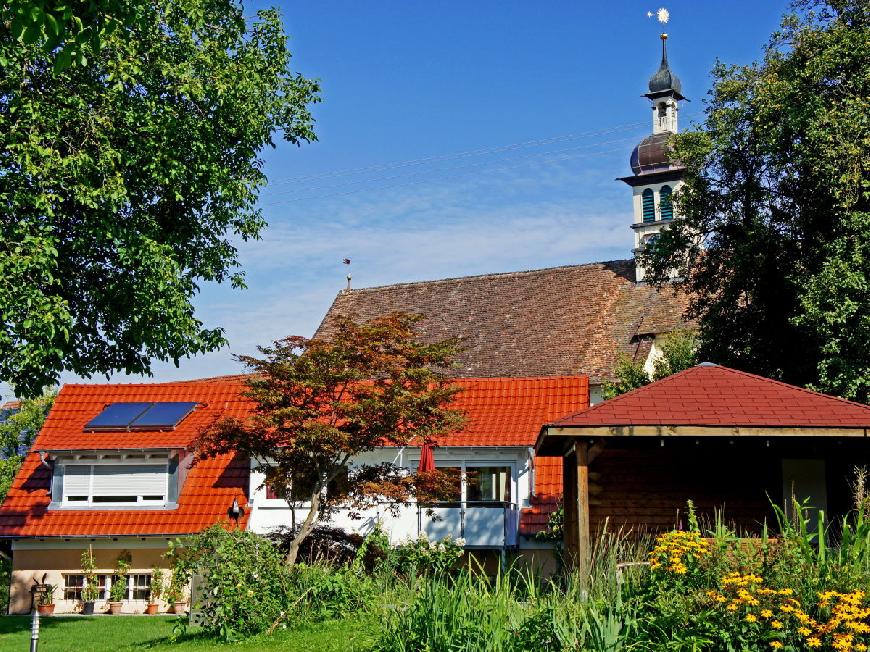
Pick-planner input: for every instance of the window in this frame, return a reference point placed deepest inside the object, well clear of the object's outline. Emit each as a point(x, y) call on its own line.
point(488, 484)
point(72, 587)
point(649, 207)
point(118, 484)
point(666, 207)
point(103, 586)
point(140, 586)
point(663, 109)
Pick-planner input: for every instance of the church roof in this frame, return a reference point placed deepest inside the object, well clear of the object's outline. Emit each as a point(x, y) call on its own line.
point(546, 322)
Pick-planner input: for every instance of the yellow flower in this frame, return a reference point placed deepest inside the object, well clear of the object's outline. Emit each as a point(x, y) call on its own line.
point(804, 631)
point(750, 618)
point(814, 642)
point(731, 607)
point(766, 613)
point(775, 644)
point(776, 624)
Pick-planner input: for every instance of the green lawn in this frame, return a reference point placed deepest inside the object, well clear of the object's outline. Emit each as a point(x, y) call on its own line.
point(108, 634)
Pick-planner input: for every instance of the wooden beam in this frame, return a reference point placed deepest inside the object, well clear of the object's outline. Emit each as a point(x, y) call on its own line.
point(584, 549)
point(569, 504)
point(698, 431)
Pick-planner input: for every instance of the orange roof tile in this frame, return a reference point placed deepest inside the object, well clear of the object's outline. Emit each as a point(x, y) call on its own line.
point(548, 494)
point(712, 395)
point(510, 411)
point(499, 411)
point(204, 499)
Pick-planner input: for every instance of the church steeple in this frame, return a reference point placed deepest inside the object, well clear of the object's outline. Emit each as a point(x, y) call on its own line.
point(665, 91)
point(656, 176)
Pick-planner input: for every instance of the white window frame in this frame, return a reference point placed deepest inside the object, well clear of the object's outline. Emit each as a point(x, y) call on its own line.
point(132, 586)
point(137, 460)
point(464, 465)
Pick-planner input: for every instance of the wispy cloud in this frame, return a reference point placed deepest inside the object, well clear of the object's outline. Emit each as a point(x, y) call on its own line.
point(540, 215)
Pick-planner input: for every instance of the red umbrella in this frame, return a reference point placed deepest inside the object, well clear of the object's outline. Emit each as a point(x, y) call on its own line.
point(427, 460)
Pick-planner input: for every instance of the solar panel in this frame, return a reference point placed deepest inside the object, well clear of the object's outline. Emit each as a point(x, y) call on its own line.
point(117, 416)
point(162, 416)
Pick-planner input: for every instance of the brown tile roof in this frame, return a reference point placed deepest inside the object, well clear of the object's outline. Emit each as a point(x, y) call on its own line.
point(547, 322)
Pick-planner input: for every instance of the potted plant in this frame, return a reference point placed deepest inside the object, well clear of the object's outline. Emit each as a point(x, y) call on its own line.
point(90, 590)
point(175, 596)
point(156, 591)
point(118, 592)
point(45, 602)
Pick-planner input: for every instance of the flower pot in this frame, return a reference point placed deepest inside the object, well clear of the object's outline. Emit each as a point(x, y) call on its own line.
point(179, 607)
point(115, 608)
point(88, 608)
point(45, 609)
point(151, 609)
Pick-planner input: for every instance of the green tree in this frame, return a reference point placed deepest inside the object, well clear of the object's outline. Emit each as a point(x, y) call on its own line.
point(773, 242)
point(18, 429)
point(321, 403)
point(678, 350)
point(68, 30)
point(127, 182)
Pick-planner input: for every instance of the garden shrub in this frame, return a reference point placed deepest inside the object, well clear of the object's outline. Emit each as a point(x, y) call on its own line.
point(421, 556)
point(244, 587)
point(324, 592)
point(330, 545)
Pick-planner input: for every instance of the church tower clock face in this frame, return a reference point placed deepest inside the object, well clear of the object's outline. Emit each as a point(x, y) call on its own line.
point(655, 176)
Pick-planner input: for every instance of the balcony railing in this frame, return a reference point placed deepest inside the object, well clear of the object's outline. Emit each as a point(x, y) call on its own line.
point(483, 524)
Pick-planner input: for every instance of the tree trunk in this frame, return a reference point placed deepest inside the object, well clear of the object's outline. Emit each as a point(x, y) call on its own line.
point(306, 528)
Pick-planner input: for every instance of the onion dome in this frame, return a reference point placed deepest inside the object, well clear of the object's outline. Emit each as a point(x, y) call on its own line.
point(664, 80)
point(651, 154)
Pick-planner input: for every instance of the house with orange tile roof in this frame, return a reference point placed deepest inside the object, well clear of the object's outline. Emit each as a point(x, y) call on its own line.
point(110, 487)
point(111, 472)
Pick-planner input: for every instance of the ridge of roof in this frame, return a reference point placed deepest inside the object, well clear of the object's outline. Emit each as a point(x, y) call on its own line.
point(453, 279)
point(212, 380)
point(785, 385)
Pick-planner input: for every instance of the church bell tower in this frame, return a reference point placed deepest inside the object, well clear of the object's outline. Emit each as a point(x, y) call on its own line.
point(655, 176)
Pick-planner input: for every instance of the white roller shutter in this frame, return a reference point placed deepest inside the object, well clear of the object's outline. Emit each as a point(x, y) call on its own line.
point(130, 480)
point(76, 480)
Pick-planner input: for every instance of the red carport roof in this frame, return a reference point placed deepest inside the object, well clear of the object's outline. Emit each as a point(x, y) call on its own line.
point(716, 396)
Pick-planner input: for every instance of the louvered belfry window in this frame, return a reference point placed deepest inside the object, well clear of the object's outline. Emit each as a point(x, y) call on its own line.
point(649, 207)
point(666, 207)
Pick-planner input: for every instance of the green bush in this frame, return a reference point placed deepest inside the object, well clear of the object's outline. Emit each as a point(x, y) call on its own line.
point(421, 556)
point(244, 586)
point(324, 592)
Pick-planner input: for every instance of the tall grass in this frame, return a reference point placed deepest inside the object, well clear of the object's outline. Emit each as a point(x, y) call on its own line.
point(518, 610)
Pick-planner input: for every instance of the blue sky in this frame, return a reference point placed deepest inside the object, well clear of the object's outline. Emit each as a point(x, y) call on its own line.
point(460, 137)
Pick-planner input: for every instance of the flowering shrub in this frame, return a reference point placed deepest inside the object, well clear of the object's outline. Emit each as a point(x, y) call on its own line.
point(421, 556)
point(749, 615)
point(678, 552)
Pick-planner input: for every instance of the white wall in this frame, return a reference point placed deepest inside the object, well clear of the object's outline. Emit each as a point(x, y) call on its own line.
point(482, 525)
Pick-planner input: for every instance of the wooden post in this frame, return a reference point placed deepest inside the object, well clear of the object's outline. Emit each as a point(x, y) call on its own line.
point(584, 546)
